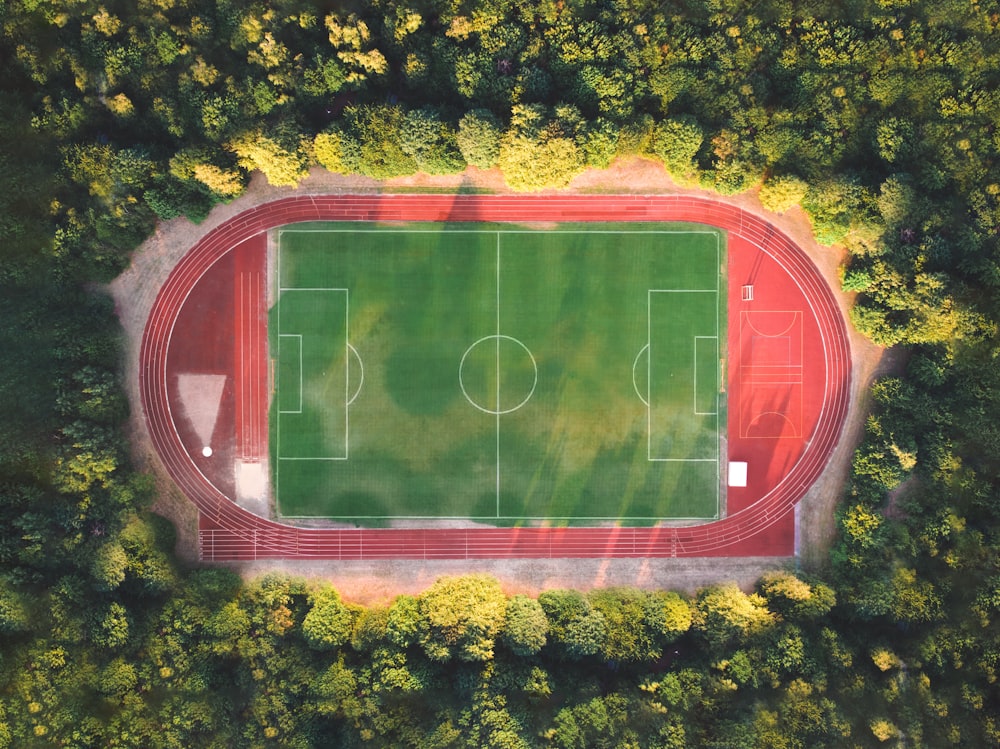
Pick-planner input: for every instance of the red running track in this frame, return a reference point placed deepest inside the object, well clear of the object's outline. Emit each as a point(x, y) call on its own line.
point(250, 376)
point(228, 532)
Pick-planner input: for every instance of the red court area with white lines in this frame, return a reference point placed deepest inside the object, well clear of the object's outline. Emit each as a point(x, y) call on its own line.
point(204, 385)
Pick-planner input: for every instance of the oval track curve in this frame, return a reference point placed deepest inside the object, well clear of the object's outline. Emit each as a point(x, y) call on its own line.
point(227, 532)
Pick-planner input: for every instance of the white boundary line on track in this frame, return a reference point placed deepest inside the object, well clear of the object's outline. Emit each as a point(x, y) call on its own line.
point(166, 353)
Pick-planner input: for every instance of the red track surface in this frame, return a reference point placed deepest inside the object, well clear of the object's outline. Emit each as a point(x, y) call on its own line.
point(760, 527)
point(250, 349)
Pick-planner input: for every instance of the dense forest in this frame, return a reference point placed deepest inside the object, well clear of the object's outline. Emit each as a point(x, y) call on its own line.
point(881, 118)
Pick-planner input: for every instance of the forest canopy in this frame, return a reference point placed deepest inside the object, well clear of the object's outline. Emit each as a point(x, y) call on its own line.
point(878, 118)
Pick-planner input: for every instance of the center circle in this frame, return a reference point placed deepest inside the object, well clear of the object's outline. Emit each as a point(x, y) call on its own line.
point(498, 374)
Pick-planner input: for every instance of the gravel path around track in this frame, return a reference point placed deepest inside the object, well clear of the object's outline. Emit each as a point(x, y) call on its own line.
point(136, 289)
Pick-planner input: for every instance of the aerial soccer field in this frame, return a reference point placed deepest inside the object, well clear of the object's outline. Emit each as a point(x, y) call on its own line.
point(570, 373)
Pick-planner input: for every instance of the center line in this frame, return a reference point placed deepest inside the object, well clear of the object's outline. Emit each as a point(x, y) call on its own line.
point(498, 375)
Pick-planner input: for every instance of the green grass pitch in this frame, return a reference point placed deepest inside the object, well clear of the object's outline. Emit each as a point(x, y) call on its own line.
point(502, 374)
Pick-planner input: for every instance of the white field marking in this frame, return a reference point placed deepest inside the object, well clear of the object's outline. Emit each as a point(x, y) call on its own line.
point(347, 364)
point(311, 288)
point(498, 233)
point(539, 518)
point(496, 403)
point(408, 230)
point(683, 460)
point(347, 374)
point(745, 316)
point(695, 394)
point(276, 284)
point(812, 308)
point(745, 322)
point(361, 367)
point(298, 337)
point(635, 384)
point(649, 359)
point(336, 457)
point(497, 411)
point(260, 415)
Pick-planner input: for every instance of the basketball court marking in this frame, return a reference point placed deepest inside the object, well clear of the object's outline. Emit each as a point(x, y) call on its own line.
point(780, 376)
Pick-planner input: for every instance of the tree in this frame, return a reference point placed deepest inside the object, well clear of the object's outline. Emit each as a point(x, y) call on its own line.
point(377, 130)
point(577, 629)
point(724, 613)
point(667, 615)
point(676, 142)
point(778, 194)
point(794, 598)
point(627, 638)
point(461, 618)
point(430, 142)
point(329, 623)
point(478, 138)
point(281, 157)
point(525, 627)
point(539, 151)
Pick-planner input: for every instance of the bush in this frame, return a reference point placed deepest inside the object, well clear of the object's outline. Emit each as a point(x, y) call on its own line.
point(676, 142)
point(778, 194)
point(479, 138)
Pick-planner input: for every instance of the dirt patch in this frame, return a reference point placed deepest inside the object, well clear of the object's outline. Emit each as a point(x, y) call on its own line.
point(377, 583)
point(135, 290)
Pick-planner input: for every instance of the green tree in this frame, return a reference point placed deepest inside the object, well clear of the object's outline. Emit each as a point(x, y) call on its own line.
point(330, 621)
point(461, 617)
point(525, 627)
point(576, 628)
point(430, 142)
point(794, 598)
point(280, 156)
point(676, 142)
point(627, 636)
point(478, 138)
point(778, 194)
point(724, 613)
point(539, 151)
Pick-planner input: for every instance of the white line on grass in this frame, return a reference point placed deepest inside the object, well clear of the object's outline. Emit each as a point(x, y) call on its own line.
point(498, 409)
point(298, 337)
point(695, 394)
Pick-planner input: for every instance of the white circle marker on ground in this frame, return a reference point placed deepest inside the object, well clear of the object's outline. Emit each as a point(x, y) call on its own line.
point(206, 451)
point(496, 339)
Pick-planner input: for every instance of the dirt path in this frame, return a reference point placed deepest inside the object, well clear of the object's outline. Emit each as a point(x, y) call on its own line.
point(135, 290)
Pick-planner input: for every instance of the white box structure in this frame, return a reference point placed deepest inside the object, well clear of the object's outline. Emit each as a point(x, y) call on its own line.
point(737, 473)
